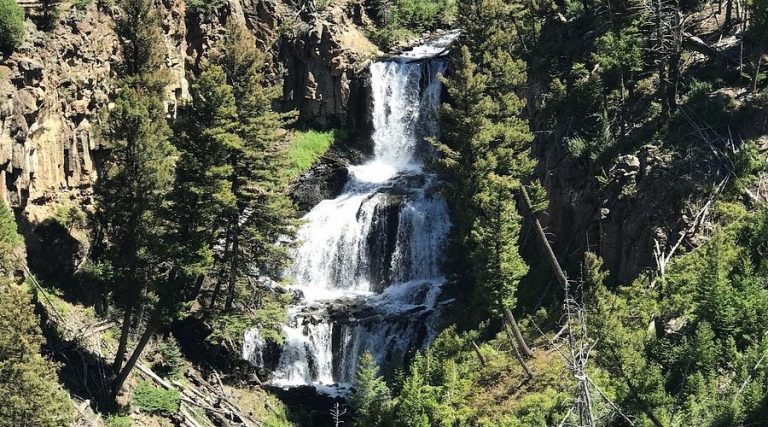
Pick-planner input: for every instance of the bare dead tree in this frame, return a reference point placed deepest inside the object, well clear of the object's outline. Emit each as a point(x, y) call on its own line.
point(580, 347)
point(337, 413)
point(662, 257)
point(542, 238)
point(666, 26)
point(579, 343)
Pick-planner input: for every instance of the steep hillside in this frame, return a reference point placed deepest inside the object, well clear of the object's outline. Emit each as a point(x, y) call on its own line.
point(555, 215)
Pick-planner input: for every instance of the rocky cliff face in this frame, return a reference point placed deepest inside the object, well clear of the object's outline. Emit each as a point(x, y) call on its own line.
point(325, 62)
point(55, 90)
point(655, 194)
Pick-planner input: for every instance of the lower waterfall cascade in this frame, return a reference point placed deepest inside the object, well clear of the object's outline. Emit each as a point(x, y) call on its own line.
point(367, 264)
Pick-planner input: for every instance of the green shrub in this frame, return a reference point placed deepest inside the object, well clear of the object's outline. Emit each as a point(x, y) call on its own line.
point(389, 36)
point(206, 6)
point(81, 4)
point(699, 90)
point(119, 421)
point(401, 19)
point(322, 5)
point(577, 146)
point(11, 25)
point(167, 360)
point(422, 15)
point(70, 217)
point(153, 400)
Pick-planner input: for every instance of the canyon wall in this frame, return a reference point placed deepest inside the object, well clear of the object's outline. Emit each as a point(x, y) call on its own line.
point(56, 89)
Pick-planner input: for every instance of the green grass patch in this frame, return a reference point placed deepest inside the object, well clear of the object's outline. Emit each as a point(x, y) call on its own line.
point(308, 146)
point(119, 421)
point(153, 400)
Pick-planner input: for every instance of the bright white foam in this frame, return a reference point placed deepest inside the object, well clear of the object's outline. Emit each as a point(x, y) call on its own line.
point(374, 172)
point(435, 47)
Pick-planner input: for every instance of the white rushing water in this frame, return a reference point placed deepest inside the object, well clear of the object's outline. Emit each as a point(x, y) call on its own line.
point(368, 261)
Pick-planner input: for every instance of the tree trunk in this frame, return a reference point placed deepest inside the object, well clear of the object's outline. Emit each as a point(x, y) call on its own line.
point(479, 355)
point(232, 271)
point(123, 343)
point(728, 16)
point(519, 358)
point(222, 269)
point(129, 365)
point(673, 71)
point(524, 349)
point(756, 76)
point(543, 240)
point(215, 294)
point(194, 292)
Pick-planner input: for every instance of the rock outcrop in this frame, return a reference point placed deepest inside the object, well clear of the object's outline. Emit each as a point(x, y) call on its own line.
point(56, 89)
point(647, 197)
point(324, 65)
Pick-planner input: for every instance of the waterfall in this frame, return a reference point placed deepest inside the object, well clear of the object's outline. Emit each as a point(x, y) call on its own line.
point(368, 262)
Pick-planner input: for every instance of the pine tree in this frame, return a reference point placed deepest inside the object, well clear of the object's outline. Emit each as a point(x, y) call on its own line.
point(262, 213)
point(370, 394)
point(498, 262)
point(484, 157)
point(139, 29)
point(620, 349)
point(130, 195)
point(416, 402)
point(206, 134)
point(716, 297)
point(10, 241)
point(29, 389)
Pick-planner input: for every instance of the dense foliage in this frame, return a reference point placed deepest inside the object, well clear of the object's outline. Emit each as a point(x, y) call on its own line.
point(400, 20)
point(231, 192)
point(153, 400)
point(197, 212)
point(192, 217)
point(29, 389)
point(11, 25)
point(484, 156)
point(681, 345)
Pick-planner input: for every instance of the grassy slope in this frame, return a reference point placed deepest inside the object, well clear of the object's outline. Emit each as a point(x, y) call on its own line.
point(308, 146)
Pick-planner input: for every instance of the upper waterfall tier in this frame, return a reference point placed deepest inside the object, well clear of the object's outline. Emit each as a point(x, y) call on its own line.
point(368, 262)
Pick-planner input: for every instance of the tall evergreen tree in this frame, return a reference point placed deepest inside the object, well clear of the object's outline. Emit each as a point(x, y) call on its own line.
point(132, 189)
point(140, 32)
point(370, 394)
point(29, 389)
point(206, 133)
point(130, 195)
point(485, 154)
point(10, 241)
point(262, 212)
point(498, 262)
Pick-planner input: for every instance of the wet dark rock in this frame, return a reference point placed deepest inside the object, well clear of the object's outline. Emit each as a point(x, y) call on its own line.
point(323, 181)
point(382, 241)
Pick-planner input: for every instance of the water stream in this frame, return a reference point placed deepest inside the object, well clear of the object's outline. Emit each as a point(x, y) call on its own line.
point(368, 262)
